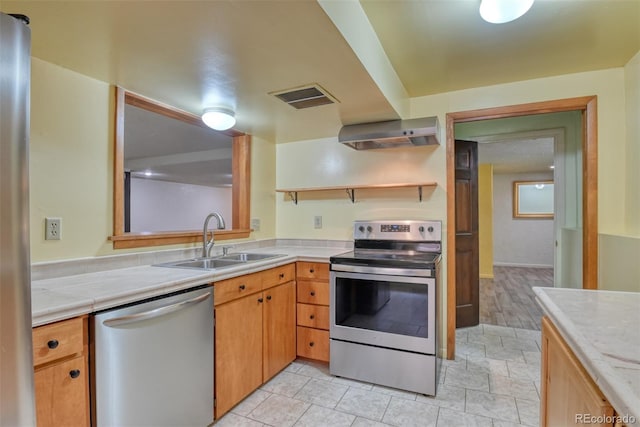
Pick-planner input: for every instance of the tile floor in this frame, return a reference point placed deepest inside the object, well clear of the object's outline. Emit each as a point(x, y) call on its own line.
point(493, 382)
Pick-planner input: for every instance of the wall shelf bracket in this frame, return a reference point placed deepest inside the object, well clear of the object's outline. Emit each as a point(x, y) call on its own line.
point(294, 196)
point(351, 192)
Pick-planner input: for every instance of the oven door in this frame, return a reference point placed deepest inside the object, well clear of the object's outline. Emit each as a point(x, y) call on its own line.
point(383, 310)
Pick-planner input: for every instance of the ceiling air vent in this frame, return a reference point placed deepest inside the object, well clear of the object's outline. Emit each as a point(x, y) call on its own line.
point(305, 96)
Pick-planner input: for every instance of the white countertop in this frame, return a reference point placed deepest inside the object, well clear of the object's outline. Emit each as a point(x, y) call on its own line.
point(65, 297)
point(602, 329)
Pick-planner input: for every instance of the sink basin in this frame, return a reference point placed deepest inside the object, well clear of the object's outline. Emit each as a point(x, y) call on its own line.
point(202, 263)
point(246, 256)
point(222, 261)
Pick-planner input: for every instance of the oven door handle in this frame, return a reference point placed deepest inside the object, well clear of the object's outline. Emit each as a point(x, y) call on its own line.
point(412, 272)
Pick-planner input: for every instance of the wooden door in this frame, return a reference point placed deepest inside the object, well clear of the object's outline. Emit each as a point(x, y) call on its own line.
point(62, 394)
point(466, 226)
point(279, 345)
point(238, 348)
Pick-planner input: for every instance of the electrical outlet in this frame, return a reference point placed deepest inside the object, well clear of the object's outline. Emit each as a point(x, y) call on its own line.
point(255, 224)
point(317, 221)
point(52, 228)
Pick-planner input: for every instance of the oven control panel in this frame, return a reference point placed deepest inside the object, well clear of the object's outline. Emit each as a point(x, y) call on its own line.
point(408, 230)
point(395, 228)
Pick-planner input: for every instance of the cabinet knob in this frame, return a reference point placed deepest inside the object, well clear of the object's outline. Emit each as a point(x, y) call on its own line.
point(242, 287)
point(311, 344)
point(260, 299)
point(311, 270)
point(268, 297)
point(282, 275)
point(313, 293)
point(52, 344)
point(75, 373)
point(312, 317)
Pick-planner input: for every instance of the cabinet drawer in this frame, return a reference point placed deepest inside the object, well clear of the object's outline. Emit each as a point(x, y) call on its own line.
point(58, 340)
point(313, 292)
point(312, 270)
point(313, 316)
point(313, 343)
point(230, 289)
point(278, 275)
point(62, 394)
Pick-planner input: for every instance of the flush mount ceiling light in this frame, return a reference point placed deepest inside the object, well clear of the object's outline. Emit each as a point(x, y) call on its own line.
point(219, 118)
point(501, 11)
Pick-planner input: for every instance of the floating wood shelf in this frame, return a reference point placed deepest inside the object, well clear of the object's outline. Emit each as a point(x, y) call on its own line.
point(351, 189)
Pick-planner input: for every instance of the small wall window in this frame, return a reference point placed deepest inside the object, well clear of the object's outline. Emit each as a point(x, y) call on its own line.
point(533, 199)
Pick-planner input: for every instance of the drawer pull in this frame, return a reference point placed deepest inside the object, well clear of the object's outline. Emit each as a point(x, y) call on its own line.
point(52, 344)
point(241, 287)
point(268, 297)
point(282, 275)
point(260, 300)
point(312, 317)
point(311, 344)
point(313, 293)
point(311, 270)
point(74, 373)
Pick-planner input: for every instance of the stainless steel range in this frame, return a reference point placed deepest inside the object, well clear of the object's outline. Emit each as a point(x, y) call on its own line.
point(383, 305)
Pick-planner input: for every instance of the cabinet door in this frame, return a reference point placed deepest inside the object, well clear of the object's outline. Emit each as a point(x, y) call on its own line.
point(279, 328)
point(62, 394)
point(238, 350)
point(567, 389)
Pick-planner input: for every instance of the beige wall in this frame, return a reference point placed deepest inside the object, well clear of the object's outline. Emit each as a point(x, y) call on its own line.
point(485, 220)
point(620, 252)
point(632, 154)
point(71, 162)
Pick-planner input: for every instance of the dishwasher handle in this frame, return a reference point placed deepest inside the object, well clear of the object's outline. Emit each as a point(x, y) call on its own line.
point(156, 312)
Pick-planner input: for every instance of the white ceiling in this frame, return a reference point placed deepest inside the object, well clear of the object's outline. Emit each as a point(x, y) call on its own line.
point(518, 155)
point(192, 54)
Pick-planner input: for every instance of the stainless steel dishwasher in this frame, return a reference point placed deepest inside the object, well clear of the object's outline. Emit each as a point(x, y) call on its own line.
point(153, 362)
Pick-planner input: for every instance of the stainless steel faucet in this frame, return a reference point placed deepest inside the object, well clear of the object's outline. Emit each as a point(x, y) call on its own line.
point(207, 245)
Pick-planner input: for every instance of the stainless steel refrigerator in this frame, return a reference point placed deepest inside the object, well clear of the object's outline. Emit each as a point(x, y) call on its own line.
point(17, 406)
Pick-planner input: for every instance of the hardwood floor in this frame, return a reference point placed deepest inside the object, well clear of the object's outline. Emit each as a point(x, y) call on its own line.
point(508, 300)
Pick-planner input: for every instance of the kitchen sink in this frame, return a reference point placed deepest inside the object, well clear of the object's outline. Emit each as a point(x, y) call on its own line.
point(202, 263)
point(247, 256)
point(222, 261)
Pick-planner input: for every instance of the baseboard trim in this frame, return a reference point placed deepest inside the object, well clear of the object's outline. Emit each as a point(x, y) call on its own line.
point(513, 264)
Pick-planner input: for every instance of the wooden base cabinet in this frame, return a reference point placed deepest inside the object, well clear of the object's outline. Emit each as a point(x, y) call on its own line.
point(254, 333)
point(313, 310)
point(568, 394)
point(61, 374)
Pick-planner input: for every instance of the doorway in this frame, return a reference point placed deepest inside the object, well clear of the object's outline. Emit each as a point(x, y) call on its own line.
point(588, 106)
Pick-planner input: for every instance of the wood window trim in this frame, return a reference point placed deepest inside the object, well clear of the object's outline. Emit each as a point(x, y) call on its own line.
point(241, 188)
point(589, 107)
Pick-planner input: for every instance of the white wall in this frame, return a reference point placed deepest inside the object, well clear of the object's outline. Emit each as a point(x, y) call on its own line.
point(518, 241)
point(166, 206)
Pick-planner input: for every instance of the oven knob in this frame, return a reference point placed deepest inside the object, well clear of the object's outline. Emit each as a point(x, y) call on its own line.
point(361, 229)
point(369, 229)
point(421, 229)
point(430, 229)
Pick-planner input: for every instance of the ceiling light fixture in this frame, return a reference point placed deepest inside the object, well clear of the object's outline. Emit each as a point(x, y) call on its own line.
point(501, 11)
point(219, 118)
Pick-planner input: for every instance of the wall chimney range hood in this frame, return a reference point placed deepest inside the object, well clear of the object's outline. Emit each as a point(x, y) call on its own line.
point(392, 133)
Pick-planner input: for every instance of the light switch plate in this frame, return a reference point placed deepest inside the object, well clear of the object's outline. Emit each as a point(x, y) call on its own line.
point(255, 224)
point(317, 221)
